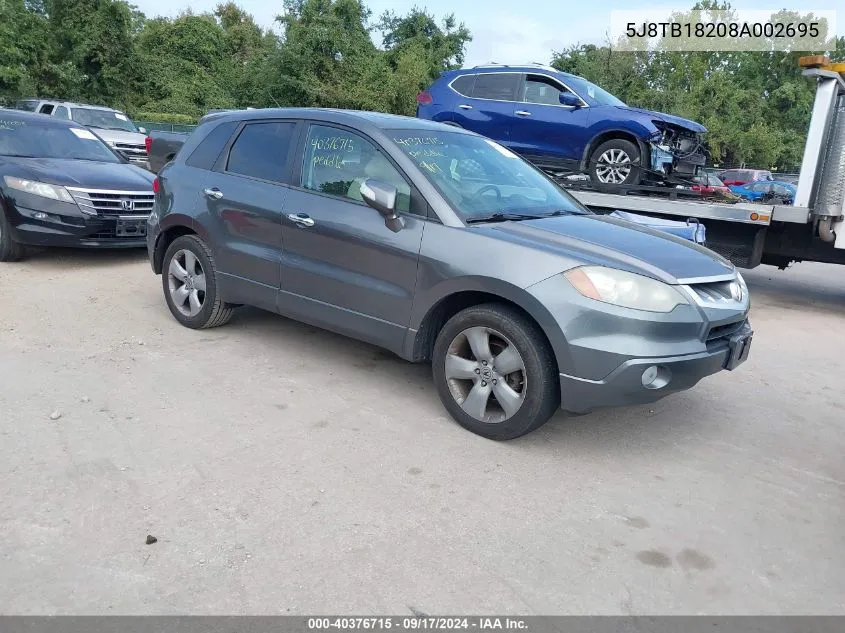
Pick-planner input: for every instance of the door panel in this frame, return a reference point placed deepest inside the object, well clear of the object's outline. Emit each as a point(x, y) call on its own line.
point(342, 268)
point(545, 129)
point(242, 205)
point(490, 110)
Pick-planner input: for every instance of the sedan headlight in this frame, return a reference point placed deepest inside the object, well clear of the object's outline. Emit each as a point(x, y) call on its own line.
point(42, 189)
point(624, 289)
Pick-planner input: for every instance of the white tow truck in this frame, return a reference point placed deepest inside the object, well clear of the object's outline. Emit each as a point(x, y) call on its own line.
point(812, 228)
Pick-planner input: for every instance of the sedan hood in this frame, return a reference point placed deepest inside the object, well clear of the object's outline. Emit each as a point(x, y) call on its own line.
point(81, 173)
point(686, 124)
point(607, 241)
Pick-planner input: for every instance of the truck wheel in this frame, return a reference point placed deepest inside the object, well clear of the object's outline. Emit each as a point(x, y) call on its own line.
point(616, 162)
point(495, 373)
point(189, 278)
point(10, 250)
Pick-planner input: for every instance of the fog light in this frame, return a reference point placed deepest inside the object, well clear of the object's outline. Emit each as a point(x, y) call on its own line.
point(39, 216)
point(656, 377)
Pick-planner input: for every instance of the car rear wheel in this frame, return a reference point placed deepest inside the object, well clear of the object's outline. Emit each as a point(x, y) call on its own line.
point(10, 250)
point(616, 162)
point(189, 278)
point(495, 373)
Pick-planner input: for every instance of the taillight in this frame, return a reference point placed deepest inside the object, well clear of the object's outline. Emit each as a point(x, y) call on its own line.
point(156, 185)
point(424, 98)
point(148, 143)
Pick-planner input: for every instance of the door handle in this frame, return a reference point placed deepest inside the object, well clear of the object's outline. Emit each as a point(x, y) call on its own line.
point(522, 113)
point(214, 193)
point(465, 106)
point(300, 219)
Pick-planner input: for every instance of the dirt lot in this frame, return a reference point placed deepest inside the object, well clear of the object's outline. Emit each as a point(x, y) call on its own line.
point(284, 469)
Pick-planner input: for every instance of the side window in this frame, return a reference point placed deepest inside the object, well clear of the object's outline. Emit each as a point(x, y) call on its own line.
point(781, 190)
point(261, 150)
point(463, 85)
point(206, 153)
point(47, 108)
point(498, 86)
point(539, 89)
point(338, 161)
point(62, 113)
point(760, 186)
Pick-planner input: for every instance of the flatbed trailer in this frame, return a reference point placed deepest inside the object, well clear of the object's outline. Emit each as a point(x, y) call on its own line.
point(812, 228)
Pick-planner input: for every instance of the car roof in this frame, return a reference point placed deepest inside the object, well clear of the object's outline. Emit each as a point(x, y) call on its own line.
point(35, 118)
point(361, 119)
point(70, 104)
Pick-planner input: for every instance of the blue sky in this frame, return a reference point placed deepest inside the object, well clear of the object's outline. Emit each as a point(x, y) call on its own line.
point(504, 31)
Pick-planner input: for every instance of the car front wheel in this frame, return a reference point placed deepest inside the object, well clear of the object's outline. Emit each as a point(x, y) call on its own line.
point(10, 250)
point(495, 373)
point(189, 278)
point(616, 162)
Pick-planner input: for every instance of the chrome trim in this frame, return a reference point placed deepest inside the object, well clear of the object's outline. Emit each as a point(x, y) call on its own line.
point(518, 72)
point(132, 217)
point(113, 191)
point(686, 281)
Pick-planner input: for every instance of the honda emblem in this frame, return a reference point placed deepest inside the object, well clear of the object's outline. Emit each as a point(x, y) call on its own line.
point(127, 204)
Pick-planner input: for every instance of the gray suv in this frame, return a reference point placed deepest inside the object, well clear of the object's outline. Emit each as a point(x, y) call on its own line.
point(440, 245)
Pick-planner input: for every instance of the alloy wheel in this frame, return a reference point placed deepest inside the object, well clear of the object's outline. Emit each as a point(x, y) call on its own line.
point(613, 166)
point(485, 374)
point(186, 283)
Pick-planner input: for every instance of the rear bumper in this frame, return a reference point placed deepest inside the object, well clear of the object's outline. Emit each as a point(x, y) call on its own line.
point(624, 385)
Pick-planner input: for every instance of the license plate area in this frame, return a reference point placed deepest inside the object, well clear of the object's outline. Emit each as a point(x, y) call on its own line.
point(130, 228)
point(739, 347)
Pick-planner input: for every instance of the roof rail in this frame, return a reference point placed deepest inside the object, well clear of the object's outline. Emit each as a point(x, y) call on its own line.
point(497, 65)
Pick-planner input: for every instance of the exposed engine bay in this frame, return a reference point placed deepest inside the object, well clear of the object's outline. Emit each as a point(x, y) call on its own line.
point(676, 153)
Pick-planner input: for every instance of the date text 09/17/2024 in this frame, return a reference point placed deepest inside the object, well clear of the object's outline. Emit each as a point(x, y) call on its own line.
point(417, 623)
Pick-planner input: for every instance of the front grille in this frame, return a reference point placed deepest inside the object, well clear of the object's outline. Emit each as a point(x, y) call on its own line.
point(725, 331)
point(133, 150)
point(113, 203)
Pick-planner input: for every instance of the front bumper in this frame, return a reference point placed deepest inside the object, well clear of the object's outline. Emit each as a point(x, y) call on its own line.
point(602, 350)
point(60, 224)
point(624, 385)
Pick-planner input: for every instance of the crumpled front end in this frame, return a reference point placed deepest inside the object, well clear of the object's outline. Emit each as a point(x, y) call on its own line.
point(676, 153)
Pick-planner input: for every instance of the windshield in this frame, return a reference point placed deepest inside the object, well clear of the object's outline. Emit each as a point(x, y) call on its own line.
point(19, 138)
point(103, 119)
point(591, 93)
point(481, 178)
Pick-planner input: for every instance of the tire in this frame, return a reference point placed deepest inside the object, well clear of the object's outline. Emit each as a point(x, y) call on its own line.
point(193, 257)
point(607, 154)
point(536, 384)
point(10, 250)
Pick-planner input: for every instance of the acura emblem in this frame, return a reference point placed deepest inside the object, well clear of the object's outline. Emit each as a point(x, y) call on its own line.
point(127, 204)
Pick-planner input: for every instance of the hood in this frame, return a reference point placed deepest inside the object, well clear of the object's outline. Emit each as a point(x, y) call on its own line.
point(692, 126)
point(81, 173)
point(607, 241)
point(119, 136)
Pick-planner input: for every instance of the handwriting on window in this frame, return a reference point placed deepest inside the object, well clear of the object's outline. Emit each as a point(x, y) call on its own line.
point(413, 141)
point(331, 151)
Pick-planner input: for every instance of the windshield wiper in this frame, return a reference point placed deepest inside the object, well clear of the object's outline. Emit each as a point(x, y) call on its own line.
point(501, 217)
point(505, 217)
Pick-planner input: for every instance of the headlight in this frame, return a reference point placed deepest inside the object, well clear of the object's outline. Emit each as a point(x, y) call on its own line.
point(744, 288)
point(42, 189)
point(624, 289)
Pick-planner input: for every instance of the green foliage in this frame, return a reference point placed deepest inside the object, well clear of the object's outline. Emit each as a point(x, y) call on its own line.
point(164, 117)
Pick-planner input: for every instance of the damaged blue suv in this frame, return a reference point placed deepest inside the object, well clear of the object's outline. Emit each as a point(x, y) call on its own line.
point(562, 122)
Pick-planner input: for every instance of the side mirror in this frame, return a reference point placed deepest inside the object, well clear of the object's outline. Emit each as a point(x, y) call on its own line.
point(569, 99)
point(142, 130)
point(381, 196)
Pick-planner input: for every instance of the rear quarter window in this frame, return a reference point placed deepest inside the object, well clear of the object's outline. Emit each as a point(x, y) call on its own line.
point(208, 151)
point(463, 85)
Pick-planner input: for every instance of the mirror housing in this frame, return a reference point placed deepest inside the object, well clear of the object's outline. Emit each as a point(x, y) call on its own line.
point(142, 130)
point(569, 99)
point(381, 196)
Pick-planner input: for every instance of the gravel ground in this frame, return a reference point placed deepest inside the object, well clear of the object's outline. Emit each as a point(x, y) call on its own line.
point(284, 469)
